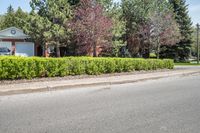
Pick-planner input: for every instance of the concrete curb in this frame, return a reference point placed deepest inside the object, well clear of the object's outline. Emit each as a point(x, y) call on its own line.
point(70, 84)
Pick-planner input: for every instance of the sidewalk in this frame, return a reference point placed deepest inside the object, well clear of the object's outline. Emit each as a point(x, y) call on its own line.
point(18, 88)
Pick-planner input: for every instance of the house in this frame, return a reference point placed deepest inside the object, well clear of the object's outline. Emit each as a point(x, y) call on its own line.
point(21, 44)
point(17, 42)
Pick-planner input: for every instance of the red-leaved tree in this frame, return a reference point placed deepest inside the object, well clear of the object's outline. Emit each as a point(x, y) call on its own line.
point(165, 30)
point(92, 29)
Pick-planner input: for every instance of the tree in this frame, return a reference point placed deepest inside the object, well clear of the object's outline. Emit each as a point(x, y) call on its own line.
point(182, 48)
point(113, 11)
point(20, 18)
point(118, 30)
point(165, 32)
point(164, 28)
point(10, 9)
point(194, 42)
point(107, 4)
point(38, 27)
point(149, 25)
point(135, 15)
point(1, 21)
point(14, 18)
point(73, 2)
point(91, 28)
point(57, 14)
point(9, 18)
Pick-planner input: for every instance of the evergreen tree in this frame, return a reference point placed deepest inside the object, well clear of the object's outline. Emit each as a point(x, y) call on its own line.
point(56, 13)
point(73, 2)
point(37, 27)
point(9, 18)
point(14, 18)
point(10, 9)
point(181, 51)
point(20, 18)
point(1, 21)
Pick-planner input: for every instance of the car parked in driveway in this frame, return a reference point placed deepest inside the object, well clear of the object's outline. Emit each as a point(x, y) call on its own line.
point(4, 51)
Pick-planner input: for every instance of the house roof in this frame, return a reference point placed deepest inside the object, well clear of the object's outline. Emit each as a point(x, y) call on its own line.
point(13, 33)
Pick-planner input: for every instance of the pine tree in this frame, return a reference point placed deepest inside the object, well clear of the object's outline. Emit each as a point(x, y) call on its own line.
point(1, 21)
point(9, 18)
point(14, 18)
point(56, 14)
point(181, 51)
point(73, 2)
point(10, 9)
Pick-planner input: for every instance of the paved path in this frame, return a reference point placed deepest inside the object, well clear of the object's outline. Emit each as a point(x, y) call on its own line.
point(67, 84)
point(169, 105)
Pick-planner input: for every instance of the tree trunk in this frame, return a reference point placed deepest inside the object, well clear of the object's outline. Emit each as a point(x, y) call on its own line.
point(149, 47)
point(45, 50)
point(94, 49)
point(158, 49)
point(57, 51)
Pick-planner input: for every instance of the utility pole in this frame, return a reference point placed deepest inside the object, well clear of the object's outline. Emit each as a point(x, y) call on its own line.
point(198, 43)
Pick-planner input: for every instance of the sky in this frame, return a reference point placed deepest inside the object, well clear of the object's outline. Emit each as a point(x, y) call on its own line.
point(194, 7)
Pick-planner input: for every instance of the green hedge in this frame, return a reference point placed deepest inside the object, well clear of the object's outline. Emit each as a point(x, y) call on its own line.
point(27, 68)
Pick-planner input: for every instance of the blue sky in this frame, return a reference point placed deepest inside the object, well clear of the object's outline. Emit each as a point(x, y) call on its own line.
point(194, 10)
point(194, 7)
point(24, 4)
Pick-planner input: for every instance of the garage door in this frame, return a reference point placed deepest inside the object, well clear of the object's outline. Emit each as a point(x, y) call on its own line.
point(6, 44)
point(24, 49)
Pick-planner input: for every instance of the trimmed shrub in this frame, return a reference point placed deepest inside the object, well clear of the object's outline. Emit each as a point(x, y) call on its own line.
point(31, 67)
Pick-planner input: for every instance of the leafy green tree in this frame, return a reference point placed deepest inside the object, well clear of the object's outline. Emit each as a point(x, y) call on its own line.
point(107, 4)
point(38, 27)
point(56, 13)
point(194, 42)
point(118, 29)
point(182, 48)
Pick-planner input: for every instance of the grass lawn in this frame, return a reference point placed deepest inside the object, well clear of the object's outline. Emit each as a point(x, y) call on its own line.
point(187, 64)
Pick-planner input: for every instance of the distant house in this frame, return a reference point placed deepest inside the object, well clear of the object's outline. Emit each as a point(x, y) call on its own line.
point(18, 42)
point(21, 44)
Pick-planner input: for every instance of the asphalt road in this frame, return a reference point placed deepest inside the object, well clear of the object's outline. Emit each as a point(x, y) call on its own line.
point(170, 105)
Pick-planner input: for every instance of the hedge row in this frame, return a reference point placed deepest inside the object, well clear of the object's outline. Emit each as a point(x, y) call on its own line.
point(27, 68)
